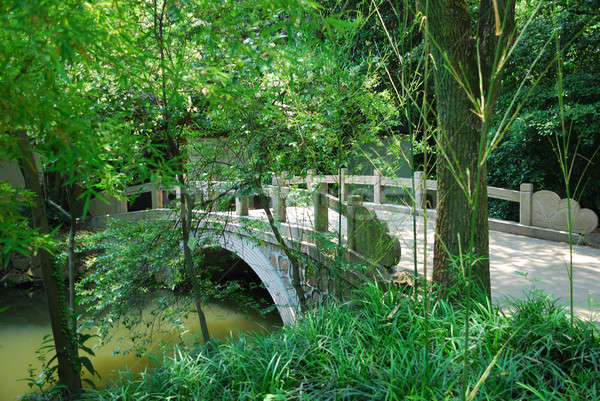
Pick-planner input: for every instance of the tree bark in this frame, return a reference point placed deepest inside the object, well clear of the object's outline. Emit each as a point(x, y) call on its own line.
point(293, 258)
point(187, 205)
point(62, 330)
point(462, 216)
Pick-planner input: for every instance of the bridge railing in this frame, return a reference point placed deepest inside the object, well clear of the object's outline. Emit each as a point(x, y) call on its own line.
point(542, 214)
point(538, 211)
point(378, 182)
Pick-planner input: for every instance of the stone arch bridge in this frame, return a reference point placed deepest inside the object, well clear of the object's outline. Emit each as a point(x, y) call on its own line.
point(527, 248)
point(251, 239)
point(535, 239)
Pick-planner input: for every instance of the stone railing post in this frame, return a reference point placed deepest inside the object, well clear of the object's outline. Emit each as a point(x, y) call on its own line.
point(309, 178)
point(279, 207)
point(122, 205)
point(377, 188)
point(526, 190)
point(344, 184)
point(419, 191)
point(321, 211)
point(157, 197)
point(241, 205)
point(352, 222)
point(114, 206)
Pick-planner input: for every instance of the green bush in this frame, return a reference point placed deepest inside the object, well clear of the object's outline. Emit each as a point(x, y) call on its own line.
point(135, 262)
point(383, 346)
point(130, 261)
point(526, 153)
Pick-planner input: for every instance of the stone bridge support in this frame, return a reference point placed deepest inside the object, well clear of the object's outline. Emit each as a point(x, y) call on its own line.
point(272, 266)
point(266, 264)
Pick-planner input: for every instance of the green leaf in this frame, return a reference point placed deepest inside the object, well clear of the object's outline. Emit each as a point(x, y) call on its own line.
point(341, 25)
point(192, 243)
point(85, 361)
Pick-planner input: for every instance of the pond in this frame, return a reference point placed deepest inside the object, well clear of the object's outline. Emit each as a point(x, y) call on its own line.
point(24, 325)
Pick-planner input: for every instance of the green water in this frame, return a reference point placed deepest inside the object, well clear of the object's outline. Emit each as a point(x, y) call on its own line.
point(24, 325)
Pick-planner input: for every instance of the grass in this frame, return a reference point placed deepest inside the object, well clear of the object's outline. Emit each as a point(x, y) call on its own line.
point(380, 346)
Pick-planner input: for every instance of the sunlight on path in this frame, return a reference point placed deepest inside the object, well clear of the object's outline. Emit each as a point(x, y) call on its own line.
point(518, 263)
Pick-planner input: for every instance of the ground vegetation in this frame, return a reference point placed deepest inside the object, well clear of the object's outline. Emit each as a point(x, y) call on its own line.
point(379, 346)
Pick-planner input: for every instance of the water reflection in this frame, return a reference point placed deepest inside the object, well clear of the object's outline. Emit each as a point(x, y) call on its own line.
point(24, 325)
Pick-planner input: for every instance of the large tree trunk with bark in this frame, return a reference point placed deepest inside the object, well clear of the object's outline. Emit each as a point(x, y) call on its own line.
point(462, 217)
point(62, 329)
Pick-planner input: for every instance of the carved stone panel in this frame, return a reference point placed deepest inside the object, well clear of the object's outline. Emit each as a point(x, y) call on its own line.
point(370, 237)
point(550, 211)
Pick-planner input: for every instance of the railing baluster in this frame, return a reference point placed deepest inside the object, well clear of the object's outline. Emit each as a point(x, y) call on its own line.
point(419, 191)
point(377, 188)
point(321, 210)
point(279, 198)
point(344, 184)
point(157, 197)
point(241, 205)
point(351, 221)
point(526, 191)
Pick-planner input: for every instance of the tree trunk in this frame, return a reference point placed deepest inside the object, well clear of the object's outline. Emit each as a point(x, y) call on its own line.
point(293, 258)
point(187, 205)
point(71, 253)
point(173, 153)
point(462, 217)
point(62, 331)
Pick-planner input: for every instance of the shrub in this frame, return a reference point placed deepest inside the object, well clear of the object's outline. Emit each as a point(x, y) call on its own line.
point(383, 345)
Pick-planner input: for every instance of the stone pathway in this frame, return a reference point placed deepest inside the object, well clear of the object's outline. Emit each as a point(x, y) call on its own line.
point(517, 263)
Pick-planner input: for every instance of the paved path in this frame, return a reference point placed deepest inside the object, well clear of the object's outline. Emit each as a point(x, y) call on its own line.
point(517, 263)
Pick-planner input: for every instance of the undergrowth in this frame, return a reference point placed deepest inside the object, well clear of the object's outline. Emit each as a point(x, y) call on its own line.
point(383, 346)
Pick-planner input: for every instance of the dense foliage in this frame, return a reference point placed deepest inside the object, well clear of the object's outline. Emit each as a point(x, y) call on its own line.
point(15, 233)
point(528, 152)
point(382, 345)
point(130, 262)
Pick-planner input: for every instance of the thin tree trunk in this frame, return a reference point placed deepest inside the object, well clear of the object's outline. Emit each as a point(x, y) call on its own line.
point(294, 262)
point(187, 205)
point(71, 255)
point(64, 337)
point(173, 152)
point(70, 251)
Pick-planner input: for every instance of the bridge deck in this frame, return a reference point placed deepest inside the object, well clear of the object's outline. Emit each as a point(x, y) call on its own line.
point(517, 262)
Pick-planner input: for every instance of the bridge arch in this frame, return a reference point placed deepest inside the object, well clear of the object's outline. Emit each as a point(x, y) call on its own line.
point(284, 296)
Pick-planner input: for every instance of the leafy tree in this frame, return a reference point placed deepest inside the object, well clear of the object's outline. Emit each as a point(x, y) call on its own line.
point(523, 154)
point(297, 102)
point(46, 50)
